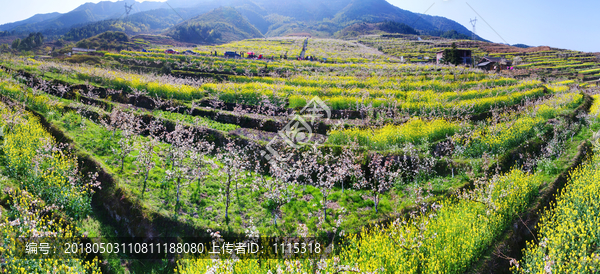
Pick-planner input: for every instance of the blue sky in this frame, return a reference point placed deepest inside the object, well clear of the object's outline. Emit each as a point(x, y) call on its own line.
point(561, 24)
point(17, 10)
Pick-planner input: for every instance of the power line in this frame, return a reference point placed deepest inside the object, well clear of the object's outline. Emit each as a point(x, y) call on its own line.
point(487, 23)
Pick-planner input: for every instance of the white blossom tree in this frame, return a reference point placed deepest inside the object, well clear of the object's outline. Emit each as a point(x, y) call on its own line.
point(147, 150)
point(145, 158)
point(234, 169)
point(186, 157)
point(128, 124)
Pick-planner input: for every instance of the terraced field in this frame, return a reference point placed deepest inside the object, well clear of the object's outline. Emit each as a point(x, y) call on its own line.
point(543, 62)
point(403, 166)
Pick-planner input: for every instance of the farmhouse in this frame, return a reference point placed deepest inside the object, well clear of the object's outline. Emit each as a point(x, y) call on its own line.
point(42, 57)
point(464, 54)
point(489, 63)
point(78, 50)
point(300, 34)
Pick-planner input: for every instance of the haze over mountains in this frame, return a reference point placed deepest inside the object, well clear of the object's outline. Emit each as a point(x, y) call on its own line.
point(194, 20)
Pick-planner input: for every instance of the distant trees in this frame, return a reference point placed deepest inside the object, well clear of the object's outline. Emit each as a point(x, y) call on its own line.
point(110, 40)
point(90, 30)
point(453, 34)
point(77, 34)
point(32, 41)
point(15, 44)
point(395, 27)
point(4, 48)
point(523, 46)
point(6, 33)
point(197, 33)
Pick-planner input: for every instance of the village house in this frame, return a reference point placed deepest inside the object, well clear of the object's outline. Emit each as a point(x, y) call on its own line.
point(464, 54)
point(493, 63)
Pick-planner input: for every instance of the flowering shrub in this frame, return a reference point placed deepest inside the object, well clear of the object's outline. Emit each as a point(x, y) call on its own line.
point(558, 104)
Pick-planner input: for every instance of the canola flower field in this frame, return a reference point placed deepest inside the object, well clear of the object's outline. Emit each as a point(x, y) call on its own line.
point(565, 243)
point(48, 195)
point(566, 239)
point(418, 163)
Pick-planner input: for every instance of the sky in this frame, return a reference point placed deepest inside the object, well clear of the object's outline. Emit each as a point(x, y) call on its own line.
point(17, 10)
point(560, 24)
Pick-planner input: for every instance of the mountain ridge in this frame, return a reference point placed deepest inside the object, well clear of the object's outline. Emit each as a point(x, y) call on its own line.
point(85, 13)
point(221, 25)
point(269, 17)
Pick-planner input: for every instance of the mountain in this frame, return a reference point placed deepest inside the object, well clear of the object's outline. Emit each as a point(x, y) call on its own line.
point(88, 12)
point(221, 25)
point(303, 10)
point(380, 10)
point(268, 17)
point(374, 28)
point(523, 46)
point(110, 40)
point(325, 18)
point(31, 20)
point(148, 22)
point(443, 24)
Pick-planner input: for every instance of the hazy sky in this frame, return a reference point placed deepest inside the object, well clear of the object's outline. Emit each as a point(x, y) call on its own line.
point(562, 24)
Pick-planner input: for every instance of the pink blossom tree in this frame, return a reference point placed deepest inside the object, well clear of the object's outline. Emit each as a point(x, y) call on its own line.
point(280, 186)
point(379, 177)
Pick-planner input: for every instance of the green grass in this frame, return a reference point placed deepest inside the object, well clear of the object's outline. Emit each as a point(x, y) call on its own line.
point(97, 226)
point(195, 120)
point(201, 206)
